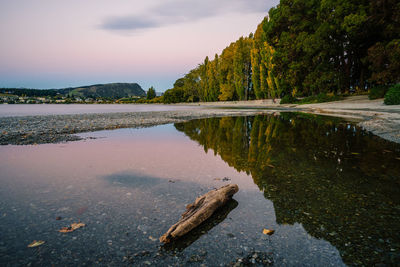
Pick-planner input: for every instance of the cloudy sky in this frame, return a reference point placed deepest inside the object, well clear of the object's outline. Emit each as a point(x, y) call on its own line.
point(55, 44)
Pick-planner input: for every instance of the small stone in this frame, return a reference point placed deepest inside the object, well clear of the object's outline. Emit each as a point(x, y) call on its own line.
point(152, 238)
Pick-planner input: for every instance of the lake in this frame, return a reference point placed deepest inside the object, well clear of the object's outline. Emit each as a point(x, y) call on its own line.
point(329, 190)
point(61, 109)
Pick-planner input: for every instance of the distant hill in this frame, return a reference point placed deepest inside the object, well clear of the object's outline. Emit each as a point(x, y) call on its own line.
point(110, 90)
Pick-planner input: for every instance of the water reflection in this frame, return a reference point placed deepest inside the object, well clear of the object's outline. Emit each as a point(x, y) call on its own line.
point(338, 181)
point(133, 180)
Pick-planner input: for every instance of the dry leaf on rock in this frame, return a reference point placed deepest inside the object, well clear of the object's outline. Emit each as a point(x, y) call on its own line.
point(71, 228)
point(35, 243)
point(66, 229)
point(77, 225)
point(268, 232)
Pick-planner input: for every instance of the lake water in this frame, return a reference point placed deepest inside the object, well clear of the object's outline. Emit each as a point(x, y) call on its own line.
point(58, 109)
point(329, 190)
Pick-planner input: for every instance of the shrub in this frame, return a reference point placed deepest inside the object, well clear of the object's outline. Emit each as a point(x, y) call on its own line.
point(392, 97)
point(157, 100)
point(288, 99)
point(141, 101)
point(377, 92)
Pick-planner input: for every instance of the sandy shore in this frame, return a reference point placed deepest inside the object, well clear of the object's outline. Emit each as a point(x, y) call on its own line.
point(373, 115)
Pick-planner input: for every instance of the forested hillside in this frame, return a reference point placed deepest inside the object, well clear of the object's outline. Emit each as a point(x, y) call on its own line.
point(303, 48)
point(110, 90)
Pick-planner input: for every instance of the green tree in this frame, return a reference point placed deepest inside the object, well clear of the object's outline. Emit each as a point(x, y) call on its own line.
point(384, 54)
point(151, 93)
point(204, 80)
point(175, 95)
point(226, 74)
point(242, 68)
point(212, 79)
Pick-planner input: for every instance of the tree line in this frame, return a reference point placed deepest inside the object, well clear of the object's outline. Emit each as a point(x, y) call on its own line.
point(303, 48)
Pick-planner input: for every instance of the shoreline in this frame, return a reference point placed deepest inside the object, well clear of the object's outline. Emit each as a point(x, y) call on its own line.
point(372, 115)
point(42, 129)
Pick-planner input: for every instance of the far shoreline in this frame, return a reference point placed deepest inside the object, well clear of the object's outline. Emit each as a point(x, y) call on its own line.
point(372, 115)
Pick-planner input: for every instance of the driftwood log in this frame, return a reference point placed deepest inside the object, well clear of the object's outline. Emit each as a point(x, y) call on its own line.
point(199, 211)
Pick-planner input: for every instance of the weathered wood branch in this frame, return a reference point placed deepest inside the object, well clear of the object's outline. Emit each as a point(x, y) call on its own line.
point(199, 211)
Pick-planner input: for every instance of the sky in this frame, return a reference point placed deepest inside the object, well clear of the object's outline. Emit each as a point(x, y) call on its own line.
point(58, 44)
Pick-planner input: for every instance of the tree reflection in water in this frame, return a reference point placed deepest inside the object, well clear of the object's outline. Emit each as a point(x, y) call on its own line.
point(340, 182)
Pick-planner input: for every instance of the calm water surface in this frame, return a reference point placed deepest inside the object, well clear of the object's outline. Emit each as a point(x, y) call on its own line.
point(329, 190)
point(60, 109)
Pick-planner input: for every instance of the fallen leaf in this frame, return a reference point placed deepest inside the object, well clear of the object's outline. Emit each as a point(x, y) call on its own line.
point(75, 226)
point(35, 243)
point(65, 230)
point(270, 165)
point(268, 232)
point(71, 228)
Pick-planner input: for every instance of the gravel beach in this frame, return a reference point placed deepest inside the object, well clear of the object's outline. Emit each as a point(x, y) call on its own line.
point(374, 116)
